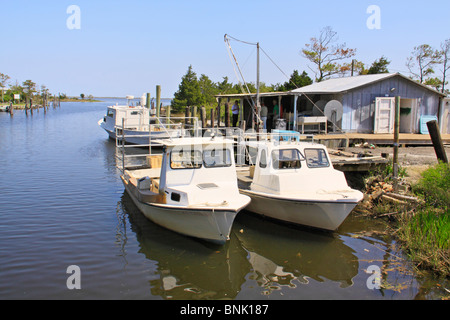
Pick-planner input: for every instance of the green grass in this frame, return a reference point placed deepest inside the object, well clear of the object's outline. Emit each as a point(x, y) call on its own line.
point(426, 232)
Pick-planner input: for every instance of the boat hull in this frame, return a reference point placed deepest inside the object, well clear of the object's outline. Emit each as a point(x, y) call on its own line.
point(326, 215)
point(210, 224)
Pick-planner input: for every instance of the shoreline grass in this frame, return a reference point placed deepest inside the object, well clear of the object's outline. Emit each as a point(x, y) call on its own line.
point(422, 228)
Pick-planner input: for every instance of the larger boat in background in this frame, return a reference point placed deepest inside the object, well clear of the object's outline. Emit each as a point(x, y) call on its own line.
point(134, 125)
point(295, 182)
point(193, 191)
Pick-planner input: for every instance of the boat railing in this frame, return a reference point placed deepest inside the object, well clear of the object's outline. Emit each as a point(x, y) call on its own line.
point(136, 155)
point(278, 136)
point(247, 153)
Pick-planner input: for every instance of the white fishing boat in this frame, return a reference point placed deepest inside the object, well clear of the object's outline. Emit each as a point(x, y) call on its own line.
point(4, 108)
point(295, 182)
point(194, 192)
point(132, 123)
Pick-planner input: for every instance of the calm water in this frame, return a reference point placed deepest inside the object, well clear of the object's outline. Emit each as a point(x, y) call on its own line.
point(62, 203)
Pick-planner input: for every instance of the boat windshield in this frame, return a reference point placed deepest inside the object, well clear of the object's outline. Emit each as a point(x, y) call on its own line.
point(316, 158)
point(185, 159)
point(217, 158)
point(286, 159)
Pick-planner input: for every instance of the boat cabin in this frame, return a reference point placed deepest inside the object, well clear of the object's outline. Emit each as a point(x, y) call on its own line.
point(190, 171)
point(284, 168)
point(136, 118)
point(193, 169)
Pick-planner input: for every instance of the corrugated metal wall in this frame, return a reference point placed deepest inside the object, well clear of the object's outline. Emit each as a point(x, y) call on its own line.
point(359, 104)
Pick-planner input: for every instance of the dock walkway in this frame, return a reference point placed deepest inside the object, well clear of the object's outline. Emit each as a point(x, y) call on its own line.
point(405, 139)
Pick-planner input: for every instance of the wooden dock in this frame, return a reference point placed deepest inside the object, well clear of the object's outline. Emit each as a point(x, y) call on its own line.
point(350, 162)
point(348, 139)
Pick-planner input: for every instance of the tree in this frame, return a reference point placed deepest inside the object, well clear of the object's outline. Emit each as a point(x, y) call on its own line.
point(225, 87)
point(3, 81)
point(422, 61)
point(379, 66)
point(295, 81)
point(326, 54)
point(189, 92)
point(29, 88)
point(435, 82)
point(208, 89)
point(82, 95)
point(445, 59)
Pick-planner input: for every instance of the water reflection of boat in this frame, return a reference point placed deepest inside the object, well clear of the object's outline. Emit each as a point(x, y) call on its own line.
point(187, 269)
point(280, 254)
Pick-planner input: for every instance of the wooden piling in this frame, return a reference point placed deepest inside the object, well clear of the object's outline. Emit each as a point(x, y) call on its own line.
point(193, 114)
point(11, 109)
point(203, 116)
point(433, 129)
point(187, 115)
point(168, 114)
point(147, 102)
point(396, 141)
point(158, 101)
point(218, 114)
point(212, 118)
point(227, 115)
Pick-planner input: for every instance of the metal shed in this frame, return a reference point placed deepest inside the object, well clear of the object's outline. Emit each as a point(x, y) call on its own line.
point(365, 104)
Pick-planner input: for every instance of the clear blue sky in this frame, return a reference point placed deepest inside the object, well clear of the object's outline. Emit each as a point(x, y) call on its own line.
point(128, 47)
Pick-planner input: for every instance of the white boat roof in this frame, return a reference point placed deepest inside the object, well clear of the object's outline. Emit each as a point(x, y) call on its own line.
point(194, 141)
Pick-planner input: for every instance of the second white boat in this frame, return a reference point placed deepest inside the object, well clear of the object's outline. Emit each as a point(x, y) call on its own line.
point(295, 182)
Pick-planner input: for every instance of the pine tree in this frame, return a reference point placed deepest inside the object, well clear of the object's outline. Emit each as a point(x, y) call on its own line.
point(189, 92)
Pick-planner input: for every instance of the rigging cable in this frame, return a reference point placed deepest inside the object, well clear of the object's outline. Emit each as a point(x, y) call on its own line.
point(314, 105)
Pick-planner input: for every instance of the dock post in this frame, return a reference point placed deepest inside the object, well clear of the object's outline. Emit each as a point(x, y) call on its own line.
point(31, 106)
point(187, 115)
point(168, 114)
point(11, 109)
point(147, 102)
point(218, 114)
point(193, 114)
point(433, 129)
point(227, 115)
point(158, 101)
point(203, 116)
point(396, 141)
point(212, 117)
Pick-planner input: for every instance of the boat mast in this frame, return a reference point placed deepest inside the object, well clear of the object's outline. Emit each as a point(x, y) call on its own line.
point(256, 104)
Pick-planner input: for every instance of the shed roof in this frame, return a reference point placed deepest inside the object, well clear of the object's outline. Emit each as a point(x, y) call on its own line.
point(339, 85)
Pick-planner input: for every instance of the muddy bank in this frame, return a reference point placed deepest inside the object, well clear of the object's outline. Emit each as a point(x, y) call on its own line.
point(413, 159)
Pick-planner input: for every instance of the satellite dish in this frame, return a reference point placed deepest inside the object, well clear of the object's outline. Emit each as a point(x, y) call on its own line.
point(334, 111)
point(318, 108)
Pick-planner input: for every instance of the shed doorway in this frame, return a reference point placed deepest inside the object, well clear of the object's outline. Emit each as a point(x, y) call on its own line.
point(384, 115)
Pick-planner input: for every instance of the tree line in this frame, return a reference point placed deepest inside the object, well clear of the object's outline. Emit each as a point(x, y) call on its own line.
point(329, 58)
point(27, 90)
